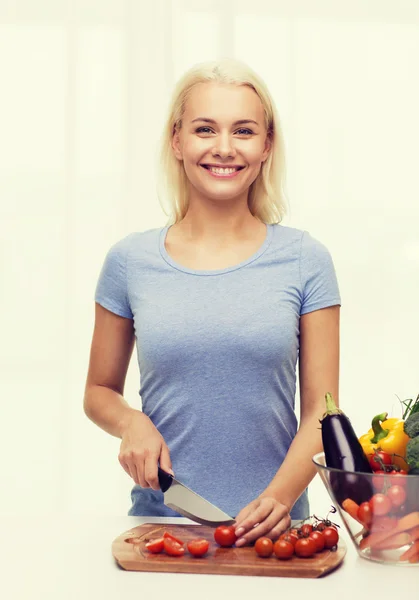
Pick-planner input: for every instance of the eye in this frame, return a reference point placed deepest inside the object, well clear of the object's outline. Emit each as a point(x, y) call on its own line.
point(244, 132)
point(204, 130)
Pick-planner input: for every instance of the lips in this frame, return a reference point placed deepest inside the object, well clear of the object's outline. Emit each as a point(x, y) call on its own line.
point(236, 167)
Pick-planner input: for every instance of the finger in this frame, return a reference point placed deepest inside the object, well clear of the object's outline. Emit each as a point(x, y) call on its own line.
point(244, 513)
point(150, 471)
point(125, 465)
point(275, 521)
point(282, 526)
point(139, 468)
point(259, 513)
point(165, 461)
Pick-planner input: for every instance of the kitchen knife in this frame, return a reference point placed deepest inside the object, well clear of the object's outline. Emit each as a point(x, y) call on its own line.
point(181, 499)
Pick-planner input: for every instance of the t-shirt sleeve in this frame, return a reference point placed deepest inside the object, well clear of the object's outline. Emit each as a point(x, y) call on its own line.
point(319, 283)
point(111, 290)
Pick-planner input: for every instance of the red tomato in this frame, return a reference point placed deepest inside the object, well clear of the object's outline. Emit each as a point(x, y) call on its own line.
point(306, 529)
point(398, 477)
point(224, 535)
point(365, 513)
point(383, 458)
point(198, 547)
point(169, 536)
point(380, 505)
point(289, 537)
point(264, 547)
point(172, 548)
point(318, 537)
point(331, 537)
point(294, 531)
point(379, 481)
point(397, 495)
point(305, 547)
point(155, 546)
point(283, 549)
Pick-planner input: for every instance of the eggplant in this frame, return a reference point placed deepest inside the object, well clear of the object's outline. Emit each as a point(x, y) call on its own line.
point(343, 451)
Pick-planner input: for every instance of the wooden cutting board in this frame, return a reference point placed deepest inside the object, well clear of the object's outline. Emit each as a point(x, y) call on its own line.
point(131, 554)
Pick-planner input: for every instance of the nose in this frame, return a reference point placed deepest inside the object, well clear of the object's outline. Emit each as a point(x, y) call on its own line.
point(223, 147)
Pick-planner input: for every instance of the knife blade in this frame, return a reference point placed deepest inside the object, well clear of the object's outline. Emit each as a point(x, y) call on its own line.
point(188, 503)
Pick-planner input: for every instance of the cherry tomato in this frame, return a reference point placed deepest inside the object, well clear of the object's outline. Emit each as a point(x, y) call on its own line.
point(289, 537)
point(294, 531)
point(155, 546)
point(224, 536)
point(365, 513)
point(398, 477)
point(169, 536)
point(264, 547)
point(383, 458)
point(172, 548)
point(379, 480)
point(283, 549)
point(380, 505)
point(306, 529)
point(397, 495)
point(320, 526)
point(198, 547)
point(305, 547)
point(331, 537)
point(318, 538)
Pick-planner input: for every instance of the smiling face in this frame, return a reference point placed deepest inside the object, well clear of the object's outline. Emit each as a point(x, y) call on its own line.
point(222, 142)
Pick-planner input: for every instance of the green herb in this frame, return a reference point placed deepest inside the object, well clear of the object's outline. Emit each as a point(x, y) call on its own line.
point(409, 408)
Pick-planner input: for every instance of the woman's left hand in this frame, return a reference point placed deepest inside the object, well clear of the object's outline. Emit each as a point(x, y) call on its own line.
point(263, 517)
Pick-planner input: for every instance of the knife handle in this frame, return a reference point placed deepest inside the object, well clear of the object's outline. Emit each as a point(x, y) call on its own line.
point(165, 480)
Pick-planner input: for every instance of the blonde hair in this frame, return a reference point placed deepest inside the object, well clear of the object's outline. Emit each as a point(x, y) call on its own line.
point(267, 199)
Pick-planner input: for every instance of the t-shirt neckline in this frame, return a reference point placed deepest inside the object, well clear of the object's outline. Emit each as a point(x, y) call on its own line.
point(165, 255)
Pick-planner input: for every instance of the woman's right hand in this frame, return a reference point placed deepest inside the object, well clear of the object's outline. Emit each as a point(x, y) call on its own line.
point(142, 448)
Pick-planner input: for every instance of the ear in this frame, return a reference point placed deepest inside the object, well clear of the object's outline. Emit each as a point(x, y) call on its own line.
point(268, 147)
point(176, 144)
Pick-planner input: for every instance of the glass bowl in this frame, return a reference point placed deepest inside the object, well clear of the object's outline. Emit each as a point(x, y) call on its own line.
point(389, 533)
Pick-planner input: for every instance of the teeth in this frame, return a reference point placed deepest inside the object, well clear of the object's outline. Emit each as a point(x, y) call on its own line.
point(221, 171)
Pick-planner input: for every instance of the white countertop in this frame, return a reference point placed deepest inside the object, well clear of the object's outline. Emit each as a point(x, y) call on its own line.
point(69, 557)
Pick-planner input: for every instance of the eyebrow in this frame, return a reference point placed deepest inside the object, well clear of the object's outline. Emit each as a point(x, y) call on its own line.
point(239, 122)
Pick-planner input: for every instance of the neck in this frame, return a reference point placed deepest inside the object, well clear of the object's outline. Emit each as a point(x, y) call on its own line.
point(219, 220)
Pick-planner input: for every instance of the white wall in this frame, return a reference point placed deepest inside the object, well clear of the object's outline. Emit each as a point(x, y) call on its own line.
point(84, 86)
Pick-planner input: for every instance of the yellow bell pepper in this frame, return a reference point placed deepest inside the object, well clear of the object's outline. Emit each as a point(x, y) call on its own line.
point(387, 435)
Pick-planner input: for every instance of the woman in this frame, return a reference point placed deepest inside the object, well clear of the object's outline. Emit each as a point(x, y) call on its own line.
point(221, 303)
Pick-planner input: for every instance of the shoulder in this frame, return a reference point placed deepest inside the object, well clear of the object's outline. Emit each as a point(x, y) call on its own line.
point(135, 243)
point(285, 234)
point(301, 240)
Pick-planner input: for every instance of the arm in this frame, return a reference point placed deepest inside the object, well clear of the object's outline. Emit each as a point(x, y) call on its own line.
point(110, 354)
point(142, 446)
point(319, 373)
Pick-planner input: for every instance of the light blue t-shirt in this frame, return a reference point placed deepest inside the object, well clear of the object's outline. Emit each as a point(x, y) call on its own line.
point(217, 353)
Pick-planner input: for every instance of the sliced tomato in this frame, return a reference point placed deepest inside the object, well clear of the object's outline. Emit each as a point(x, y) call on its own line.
point(169, 536)
point(172, 548)
point(198, 547)
point(155, 546)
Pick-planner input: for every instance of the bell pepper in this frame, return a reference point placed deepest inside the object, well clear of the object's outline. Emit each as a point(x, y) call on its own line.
point(387, 435)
